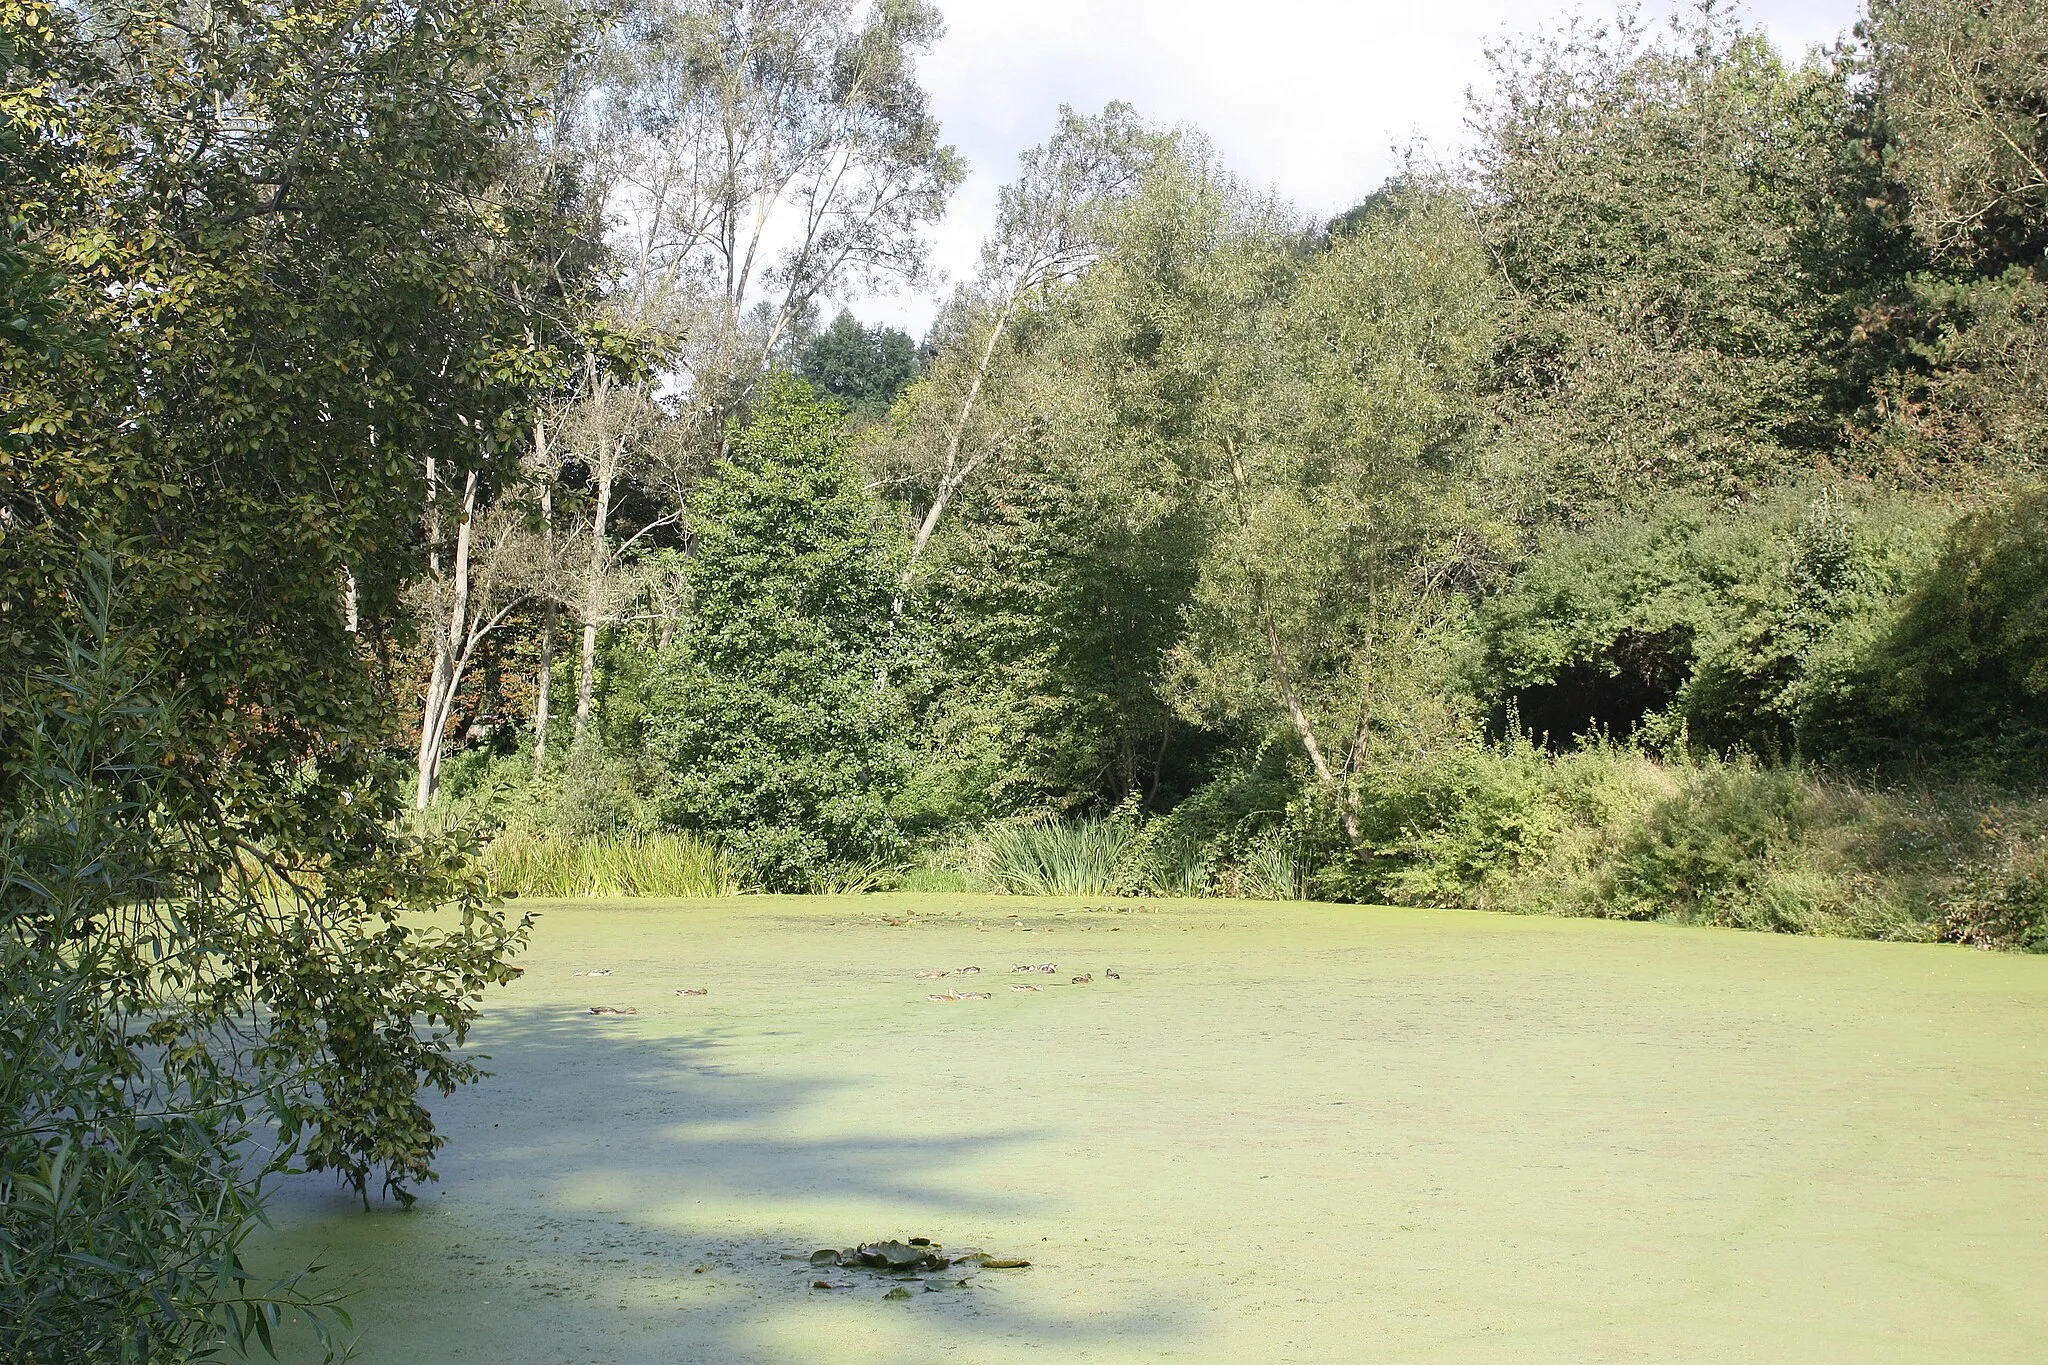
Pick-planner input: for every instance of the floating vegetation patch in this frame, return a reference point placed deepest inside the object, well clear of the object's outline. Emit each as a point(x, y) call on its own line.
point(916, 1261)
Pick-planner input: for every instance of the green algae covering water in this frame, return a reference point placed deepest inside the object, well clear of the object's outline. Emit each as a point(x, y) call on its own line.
point(1278, 1133)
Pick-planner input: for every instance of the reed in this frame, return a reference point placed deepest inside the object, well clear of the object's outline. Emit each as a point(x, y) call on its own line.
point(679, 866)
point(1059, 858)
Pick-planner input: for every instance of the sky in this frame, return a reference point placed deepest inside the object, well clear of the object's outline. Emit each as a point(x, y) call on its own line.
point(1305, 97)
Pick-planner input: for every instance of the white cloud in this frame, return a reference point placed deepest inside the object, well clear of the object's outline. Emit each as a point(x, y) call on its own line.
point(1307, 97)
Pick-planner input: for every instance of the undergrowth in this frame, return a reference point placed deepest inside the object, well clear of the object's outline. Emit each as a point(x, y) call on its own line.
point(1612, 832)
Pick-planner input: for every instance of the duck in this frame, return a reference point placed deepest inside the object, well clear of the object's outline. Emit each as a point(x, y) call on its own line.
point(1111, 973)
point(1084, 978)
point(694, 990)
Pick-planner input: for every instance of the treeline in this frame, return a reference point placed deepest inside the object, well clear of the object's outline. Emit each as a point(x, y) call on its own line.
point(1682, 428)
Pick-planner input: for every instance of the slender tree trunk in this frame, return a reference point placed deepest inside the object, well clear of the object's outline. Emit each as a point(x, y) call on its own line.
point(955, 475)
point(544, 675)
point(449, 628)
point(1283, 679)
point(1159, 764)
point(949, 483)
point(1283, 682)
point(543, 685)
point(437, 677)
point(593, 592)
point(432, 716)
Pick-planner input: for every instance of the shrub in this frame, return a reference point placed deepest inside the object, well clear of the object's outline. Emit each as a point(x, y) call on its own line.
point(1268, 871)
point(1961, 675)
point(1701, 854)
point(1614, 832)
point(2001, 900)
point(1167, 859)
point(1482, 825)
point(1727, 628)
point(596, 797)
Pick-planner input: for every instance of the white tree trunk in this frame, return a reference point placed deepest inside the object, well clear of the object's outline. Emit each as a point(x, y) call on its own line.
point(544, 675)
point(956, 474)
point(453, 644)
point(593, 592)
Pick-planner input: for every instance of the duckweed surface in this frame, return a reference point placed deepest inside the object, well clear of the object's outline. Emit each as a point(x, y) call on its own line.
point(1278, 1133)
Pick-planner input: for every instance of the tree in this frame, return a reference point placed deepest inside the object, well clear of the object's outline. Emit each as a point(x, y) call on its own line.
point(1330, 463)
point(282, 244)
point(764, 708)
point(1647, 198)
point(480, 570)
point(765, 156)
point(1048, 228)
point(862, 368)
point(1964, 86)
point(130, 1166)
point(1963, 104)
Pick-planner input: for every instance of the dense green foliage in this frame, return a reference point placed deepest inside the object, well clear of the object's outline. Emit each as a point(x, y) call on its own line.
point(1959, 675)
point(864, 368)
point(262, 271)
point(1631, 519)
point(123, 1205)
point(768, 711)
point(1727, 627)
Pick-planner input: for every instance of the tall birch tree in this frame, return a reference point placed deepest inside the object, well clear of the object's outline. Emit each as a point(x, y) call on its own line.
point(1327, 454)
point(1048, 230)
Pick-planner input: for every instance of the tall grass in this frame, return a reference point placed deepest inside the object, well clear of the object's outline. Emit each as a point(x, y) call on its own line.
point(859, 879)
point(1173, 863)
point(1269, 871)
point(682, 866)
point(1059, 858)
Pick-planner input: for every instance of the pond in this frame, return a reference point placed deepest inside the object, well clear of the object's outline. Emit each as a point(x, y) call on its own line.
point(1277, 1133)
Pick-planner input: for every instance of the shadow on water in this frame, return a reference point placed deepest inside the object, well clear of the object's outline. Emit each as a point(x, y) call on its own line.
point(609, 1196)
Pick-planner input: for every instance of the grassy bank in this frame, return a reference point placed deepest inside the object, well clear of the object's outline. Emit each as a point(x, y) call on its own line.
point(1605, 831)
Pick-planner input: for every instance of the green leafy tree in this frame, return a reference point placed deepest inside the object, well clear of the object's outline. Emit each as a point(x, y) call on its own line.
point(1329, 452)
point(1723, 627)
point(1651, 200)
point(1965, 91)
point(1961, 676)
point(862, 368)
point(965, 414)
point(274, 264)
point(1958, 109)
point(131, 1151)
point(766, 709)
